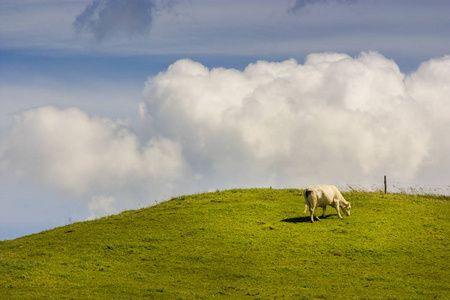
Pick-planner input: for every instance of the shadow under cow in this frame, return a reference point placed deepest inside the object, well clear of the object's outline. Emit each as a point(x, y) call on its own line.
point(305, 219)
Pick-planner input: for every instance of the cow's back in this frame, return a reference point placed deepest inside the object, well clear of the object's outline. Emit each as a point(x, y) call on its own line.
point(325, 194)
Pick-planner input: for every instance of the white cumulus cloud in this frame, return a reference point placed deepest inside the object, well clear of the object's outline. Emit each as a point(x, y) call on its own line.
point(71, 151)
point(334, 118)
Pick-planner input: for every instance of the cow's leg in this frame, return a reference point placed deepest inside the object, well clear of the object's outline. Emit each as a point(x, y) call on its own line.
point(336, 203)
point(323, 213)
point(316, 217)
point(312, 214)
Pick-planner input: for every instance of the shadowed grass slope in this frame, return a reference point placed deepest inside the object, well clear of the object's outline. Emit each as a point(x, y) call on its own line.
point(240, 244)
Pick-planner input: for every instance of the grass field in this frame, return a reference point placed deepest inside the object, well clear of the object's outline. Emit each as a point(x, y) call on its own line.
point(240, 244)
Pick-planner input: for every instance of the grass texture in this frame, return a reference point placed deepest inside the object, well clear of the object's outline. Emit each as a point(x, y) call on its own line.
point(240, 244)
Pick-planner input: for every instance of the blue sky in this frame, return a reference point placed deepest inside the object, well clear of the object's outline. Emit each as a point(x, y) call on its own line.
point(111, 105)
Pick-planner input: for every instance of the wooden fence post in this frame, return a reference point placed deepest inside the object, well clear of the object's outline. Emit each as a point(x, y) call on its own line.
point(385, 185)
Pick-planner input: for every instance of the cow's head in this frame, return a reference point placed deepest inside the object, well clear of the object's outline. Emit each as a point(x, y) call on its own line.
point(346, 208)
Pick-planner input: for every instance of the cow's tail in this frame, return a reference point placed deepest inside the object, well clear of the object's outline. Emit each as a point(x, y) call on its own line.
point(307, 193)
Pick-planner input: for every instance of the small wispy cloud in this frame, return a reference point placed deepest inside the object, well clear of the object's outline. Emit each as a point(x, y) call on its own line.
point(301, 5)
point(105, 19)
point(101, 206)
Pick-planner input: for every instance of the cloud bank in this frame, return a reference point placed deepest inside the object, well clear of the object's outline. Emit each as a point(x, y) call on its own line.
point(333, 119)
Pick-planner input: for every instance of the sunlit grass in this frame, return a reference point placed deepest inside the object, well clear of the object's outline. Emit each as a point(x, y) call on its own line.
point(235, 244)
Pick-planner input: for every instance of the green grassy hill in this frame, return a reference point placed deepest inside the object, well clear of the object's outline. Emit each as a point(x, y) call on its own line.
point(240, 244)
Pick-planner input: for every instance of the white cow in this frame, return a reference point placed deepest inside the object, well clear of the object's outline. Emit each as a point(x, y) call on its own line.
point(323, 195)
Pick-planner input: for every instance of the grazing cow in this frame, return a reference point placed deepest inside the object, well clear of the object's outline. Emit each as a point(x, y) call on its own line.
point(323, 195)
